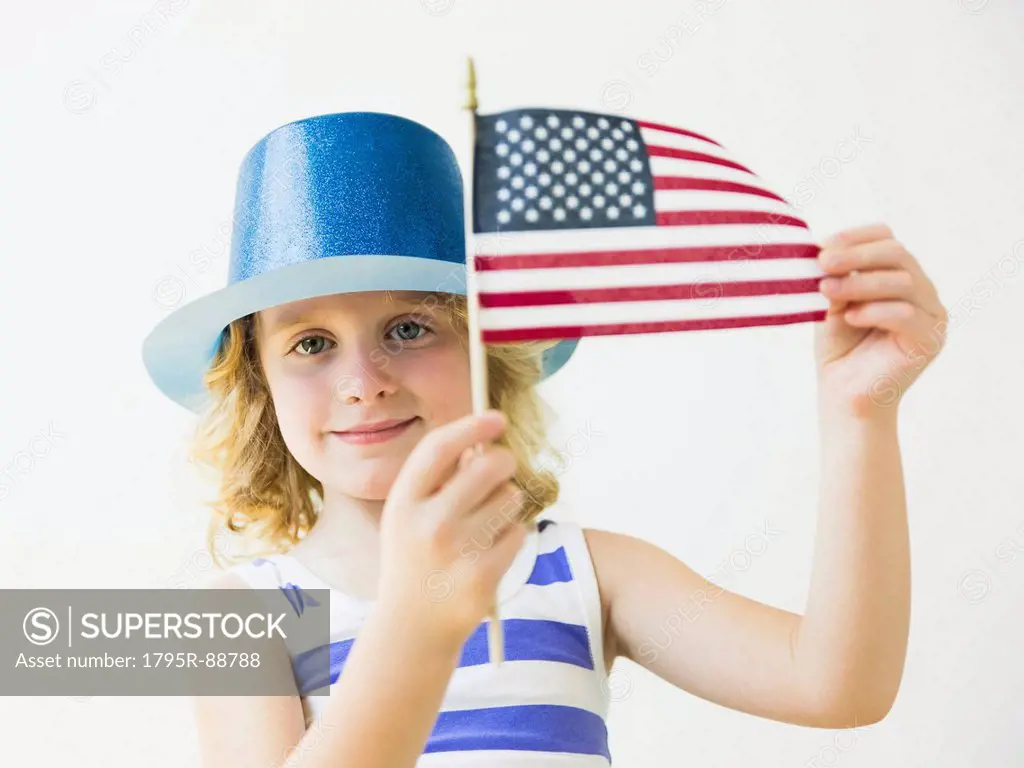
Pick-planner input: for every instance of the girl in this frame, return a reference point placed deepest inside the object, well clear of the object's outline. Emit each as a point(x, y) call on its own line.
point(333, 381)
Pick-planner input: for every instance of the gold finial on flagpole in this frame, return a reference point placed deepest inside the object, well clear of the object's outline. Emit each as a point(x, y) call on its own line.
point(471, 85)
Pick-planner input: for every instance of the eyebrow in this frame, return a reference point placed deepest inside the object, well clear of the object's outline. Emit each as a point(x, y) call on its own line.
point(290, 317)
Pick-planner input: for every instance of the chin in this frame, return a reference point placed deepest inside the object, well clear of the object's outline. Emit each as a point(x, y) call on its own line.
point(371, 480)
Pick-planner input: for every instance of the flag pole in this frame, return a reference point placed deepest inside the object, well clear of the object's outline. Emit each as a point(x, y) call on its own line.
point(477, 352)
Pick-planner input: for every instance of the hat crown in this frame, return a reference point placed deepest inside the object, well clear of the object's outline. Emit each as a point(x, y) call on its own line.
point(348, 183)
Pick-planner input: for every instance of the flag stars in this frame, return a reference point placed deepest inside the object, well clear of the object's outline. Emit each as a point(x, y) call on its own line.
point(517, 182)
point(639, 211)
point(559, 214)
point(514, 135)
point(545, 203)
point(517, 204)
point(526, 122)
point(592, 132)
point(543, 156)
point(586, 214)
point(612, 213)
point(571, 202)
point(555, 144)
point(553, 121)
point(504, 172)
point(530, 169)
point(501, 126)
point(540, 133)
point(532, 215)
point(569, 155)
point(531, 192)
point(557, 167)
point(638, 187)
point(544, 179)
point(623, 177)
point(501, 150)
point(578, 122)
point(567, 133)
point(603, 124)
point(528, 145)
point(504, 194)
point(558, 190)
point(504, 217)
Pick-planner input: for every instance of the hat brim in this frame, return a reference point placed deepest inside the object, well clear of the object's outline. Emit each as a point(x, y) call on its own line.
point(180, 348)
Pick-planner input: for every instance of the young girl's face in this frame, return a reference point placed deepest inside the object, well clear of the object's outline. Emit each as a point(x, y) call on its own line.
point(342, 362)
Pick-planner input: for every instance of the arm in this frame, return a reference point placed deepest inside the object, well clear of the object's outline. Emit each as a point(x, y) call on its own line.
point(358, 725)
point(840, 664)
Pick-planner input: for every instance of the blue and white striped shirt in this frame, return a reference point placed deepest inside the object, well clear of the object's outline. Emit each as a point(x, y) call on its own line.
point(544, 706)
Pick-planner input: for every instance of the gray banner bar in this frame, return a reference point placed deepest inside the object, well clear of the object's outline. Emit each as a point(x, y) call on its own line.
point(164, 642)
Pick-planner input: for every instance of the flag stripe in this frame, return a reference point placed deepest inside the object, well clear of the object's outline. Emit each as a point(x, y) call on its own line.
point(717, 185)
point(647, 124)
point(698, 218)
point(638, 275)
point(713, 200)
point(665, 326)
point(706, 291)
point(701, 157)
point(528, 261)
point(745, 238)
point(713, 307)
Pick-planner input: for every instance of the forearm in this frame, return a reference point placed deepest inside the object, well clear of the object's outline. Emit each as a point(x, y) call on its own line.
point(852, 639)
point(387, 700)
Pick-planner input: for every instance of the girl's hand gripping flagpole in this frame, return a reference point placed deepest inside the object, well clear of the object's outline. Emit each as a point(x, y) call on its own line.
point(477, 353)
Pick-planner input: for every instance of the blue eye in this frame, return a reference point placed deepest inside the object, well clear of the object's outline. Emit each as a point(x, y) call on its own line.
point(406, 324)
point(305, 348)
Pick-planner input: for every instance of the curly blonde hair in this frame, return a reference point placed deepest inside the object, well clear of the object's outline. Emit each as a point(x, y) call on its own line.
point(268, 501)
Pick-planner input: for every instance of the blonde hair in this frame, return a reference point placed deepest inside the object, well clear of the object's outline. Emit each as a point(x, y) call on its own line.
point(265, 498)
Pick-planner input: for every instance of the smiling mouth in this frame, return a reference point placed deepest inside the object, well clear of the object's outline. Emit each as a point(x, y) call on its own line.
point(375, 436)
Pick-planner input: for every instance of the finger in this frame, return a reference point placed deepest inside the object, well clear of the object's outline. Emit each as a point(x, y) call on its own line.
point(879, 254)
point(474, 483)
point(873, 285)
point(899, 317)
point(436, 456)
point(502, 507)
point(857, 235)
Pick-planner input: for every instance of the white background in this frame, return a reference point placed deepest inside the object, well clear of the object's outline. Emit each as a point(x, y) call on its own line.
point(119, 148)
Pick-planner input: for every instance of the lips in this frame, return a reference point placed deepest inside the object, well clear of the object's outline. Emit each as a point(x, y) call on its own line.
point(379, 433)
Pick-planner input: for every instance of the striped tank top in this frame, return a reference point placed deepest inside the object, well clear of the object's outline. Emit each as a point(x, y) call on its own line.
point(545, 706)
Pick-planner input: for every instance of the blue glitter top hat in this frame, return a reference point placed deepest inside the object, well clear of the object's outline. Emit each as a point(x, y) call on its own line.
point(339, 203)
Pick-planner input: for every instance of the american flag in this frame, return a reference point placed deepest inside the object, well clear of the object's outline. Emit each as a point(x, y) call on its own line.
point(589, 224)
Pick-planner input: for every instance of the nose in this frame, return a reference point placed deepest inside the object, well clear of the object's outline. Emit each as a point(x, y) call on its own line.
point(359, 376)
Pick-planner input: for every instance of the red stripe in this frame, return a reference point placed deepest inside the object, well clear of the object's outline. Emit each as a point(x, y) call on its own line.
point(648, 256)
point(711, 290)
point(673, 129)
point(683, 182)
point(696, 218)
point(688, 154)
point(665, 326)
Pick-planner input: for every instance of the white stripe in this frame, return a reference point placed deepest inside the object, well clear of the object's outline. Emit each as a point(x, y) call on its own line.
point(709, 200)
point(649, 311)
point(557, 601)
point(634, 238)
point(660, 138)
point(675, 166)
point(524, 682)
point(554, 279)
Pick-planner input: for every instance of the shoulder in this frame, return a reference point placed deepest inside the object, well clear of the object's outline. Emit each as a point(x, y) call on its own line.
point(230, 578)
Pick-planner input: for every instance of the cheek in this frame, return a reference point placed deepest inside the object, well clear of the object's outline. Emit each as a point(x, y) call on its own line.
point(442, 385)
point(301, 404)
